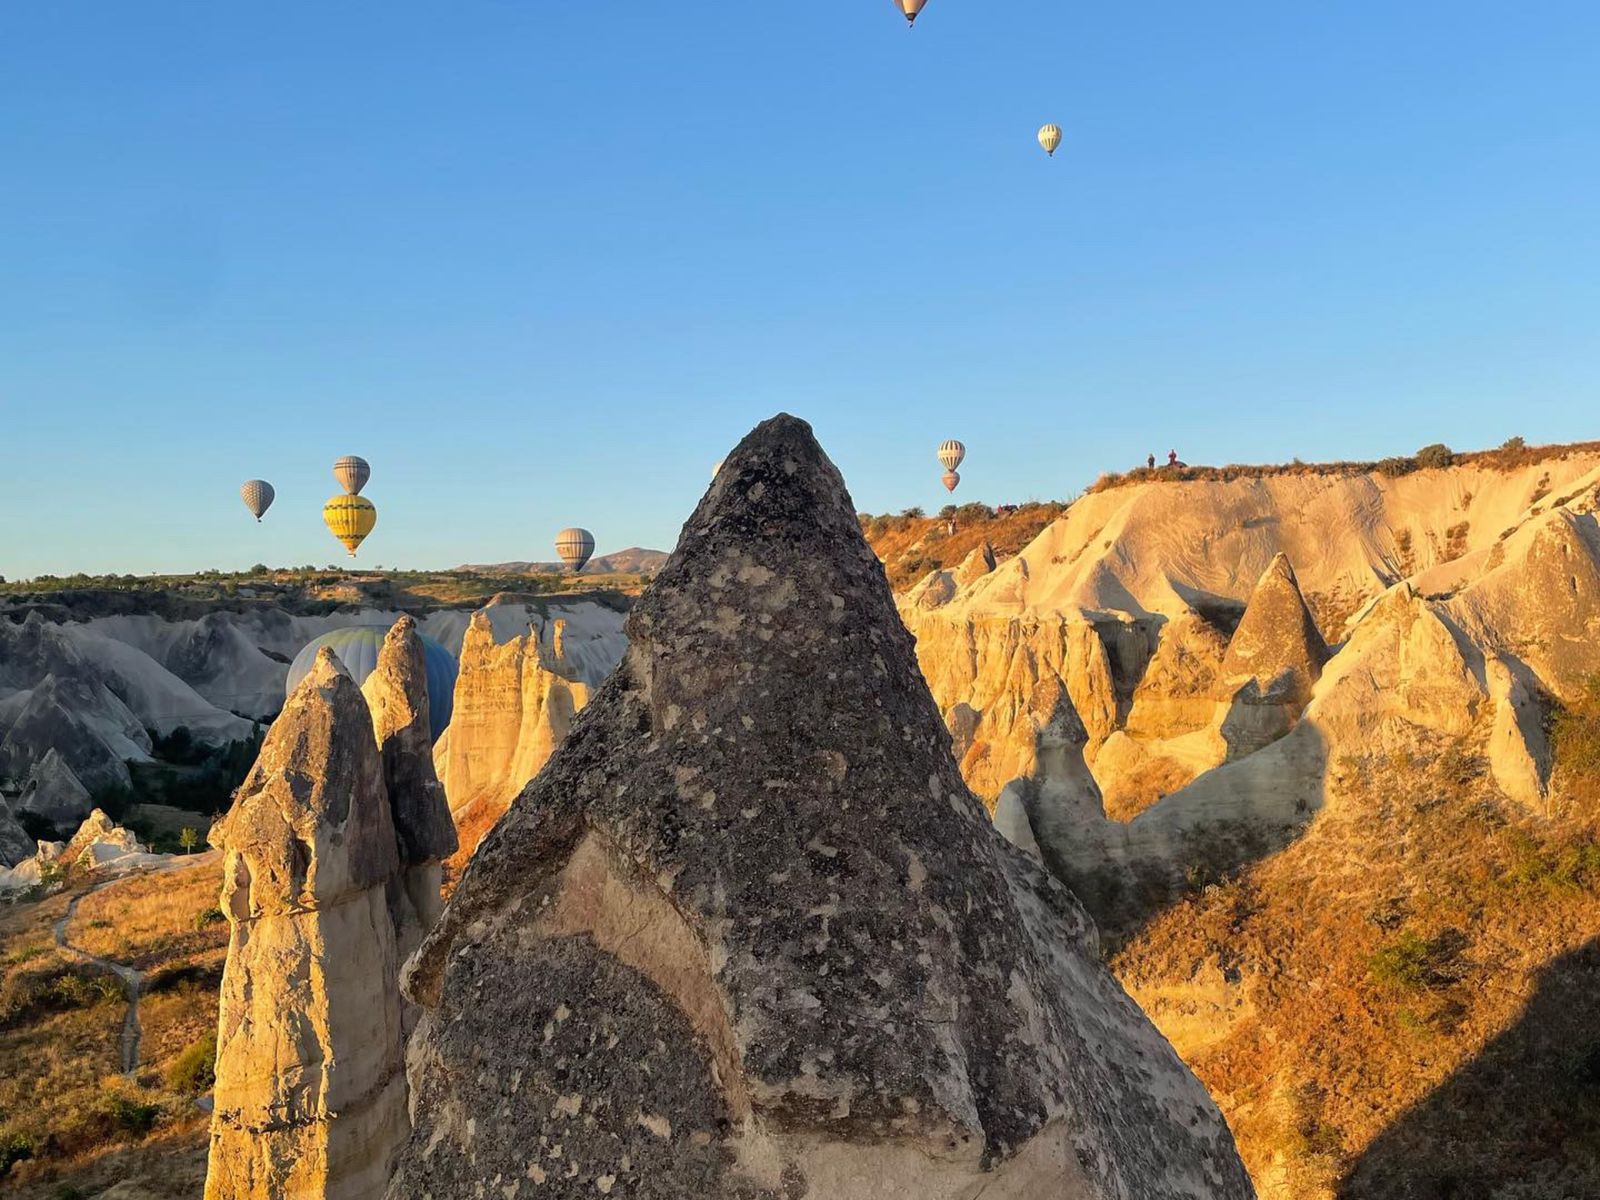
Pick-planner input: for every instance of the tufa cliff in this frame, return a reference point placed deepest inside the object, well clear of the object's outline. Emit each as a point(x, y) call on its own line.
point(779, 950)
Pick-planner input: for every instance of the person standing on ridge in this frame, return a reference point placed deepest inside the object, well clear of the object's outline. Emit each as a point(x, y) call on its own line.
point(1150, 462)
point(1172, 458)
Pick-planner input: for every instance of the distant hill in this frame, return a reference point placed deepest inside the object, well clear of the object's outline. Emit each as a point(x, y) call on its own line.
point(635, 560)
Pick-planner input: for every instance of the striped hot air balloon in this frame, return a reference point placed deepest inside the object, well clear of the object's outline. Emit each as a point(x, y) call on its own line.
point(352, 472)
point(257, 495)
point(1050, 139)
point(350, 518)
point(575, 546)
point(358, 647)
point(952, 454)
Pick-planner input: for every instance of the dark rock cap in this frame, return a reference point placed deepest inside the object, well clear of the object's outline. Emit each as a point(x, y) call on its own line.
point(397, 694)
point(750, 901)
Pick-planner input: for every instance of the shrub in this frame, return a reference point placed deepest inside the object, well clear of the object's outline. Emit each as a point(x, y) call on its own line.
point(1403, 965)
point(129, 1113)
point(194, 1070)
point(209, 916)
point(1514, 443)
point(14, 1147)
point(914, 513)
point(1436, 455)
point(1575, 743)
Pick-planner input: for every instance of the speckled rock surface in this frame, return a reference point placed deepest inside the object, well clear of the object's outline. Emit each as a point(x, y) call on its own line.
point(749, 935)
point(310, 1093)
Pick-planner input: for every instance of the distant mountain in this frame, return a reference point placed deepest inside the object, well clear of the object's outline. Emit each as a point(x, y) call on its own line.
point(635, 560)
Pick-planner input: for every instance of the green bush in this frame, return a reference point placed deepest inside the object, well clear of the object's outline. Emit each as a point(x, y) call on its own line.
point(15, 1146)
point(130, 1114)
point(209, 916)
point(195, 1069)
point(1436, 455)
point(1404, 965)
point(1514, 443)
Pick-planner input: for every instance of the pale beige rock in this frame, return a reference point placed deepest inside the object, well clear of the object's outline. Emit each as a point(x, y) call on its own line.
point(514, 704)
point(310, 1096)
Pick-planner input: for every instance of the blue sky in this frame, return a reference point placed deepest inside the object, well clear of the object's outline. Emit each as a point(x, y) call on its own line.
point(543, 262)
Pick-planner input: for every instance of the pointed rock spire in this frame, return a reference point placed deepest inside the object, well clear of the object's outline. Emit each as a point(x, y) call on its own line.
point(310, 1098)
point(1277, 643)
point(779, 950)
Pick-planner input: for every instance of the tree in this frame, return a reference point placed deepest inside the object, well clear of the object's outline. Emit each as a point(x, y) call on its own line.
point(189, 839)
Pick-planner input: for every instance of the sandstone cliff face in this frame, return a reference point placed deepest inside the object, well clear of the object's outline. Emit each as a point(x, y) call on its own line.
point(823, 973)
point(310, 1095)
point(514, 704)
point(1195, 730)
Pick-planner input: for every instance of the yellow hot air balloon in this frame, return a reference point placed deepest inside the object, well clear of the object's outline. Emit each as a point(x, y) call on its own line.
point(911, 8)
point(1050, 139)
point(350, 519)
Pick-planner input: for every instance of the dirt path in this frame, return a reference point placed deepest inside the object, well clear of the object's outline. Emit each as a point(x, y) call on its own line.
point(132, 980)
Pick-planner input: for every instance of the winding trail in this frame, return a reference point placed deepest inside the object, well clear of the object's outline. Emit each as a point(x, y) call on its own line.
point(132, 979)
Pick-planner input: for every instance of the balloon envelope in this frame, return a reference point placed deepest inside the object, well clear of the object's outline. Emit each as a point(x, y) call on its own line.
point(575, 547)
point(1050, 138)
point(352, 472)
point(951, 481)
point(911, 8)
point(357, 648)
point(258, 496)
point(350, 519)
point(951, 454)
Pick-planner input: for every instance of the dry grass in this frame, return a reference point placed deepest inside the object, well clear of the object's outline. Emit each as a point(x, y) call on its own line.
point(1369, 969)
point(82, 1125)
point(1152, 780)
point(1509, 457)
point(911, 546)
point(149, 920)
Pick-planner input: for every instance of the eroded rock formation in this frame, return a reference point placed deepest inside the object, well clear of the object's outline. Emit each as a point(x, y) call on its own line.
point(54, 793)
point(780, 951)
point(514, 704)
point(310, 1094)
point(397, 696)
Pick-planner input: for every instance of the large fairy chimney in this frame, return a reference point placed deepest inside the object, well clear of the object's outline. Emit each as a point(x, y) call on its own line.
point(310, 1094)
point(749, 935)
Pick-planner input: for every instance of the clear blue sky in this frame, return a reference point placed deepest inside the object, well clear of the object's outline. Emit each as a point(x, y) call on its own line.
point(543, 262)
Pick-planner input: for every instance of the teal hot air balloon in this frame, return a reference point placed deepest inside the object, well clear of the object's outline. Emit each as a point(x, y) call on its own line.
point(357, 648)
point(258, 496)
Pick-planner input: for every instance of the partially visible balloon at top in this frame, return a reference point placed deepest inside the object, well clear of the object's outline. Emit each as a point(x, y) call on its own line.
point(951, 454)
point(352, 472)
point(257, 495)
point(717, 470)
point(911, 8)
point(575, 547)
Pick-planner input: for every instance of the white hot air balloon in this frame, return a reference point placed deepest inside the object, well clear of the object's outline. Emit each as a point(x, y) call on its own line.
point(257, 495)
point(575, 546)
point(952, 454)
point(717, 470)
point(352, 472)
point(1050, 139)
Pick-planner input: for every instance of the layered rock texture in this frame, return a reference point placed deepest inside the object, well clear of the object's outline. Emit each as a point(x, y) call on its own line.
point(779, 951)
point(310, 1093)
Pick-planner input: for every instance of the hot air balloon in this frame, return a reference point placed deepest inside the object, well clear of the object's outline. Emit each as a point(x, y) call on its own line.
point(258, 496)
point(350, 519)
point(352, 472)
point(357, 648)
point(951, 481)
point(1050, 138)
point(575, 547)
point(911, 8)
point(717, 470)
point(952, 454)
